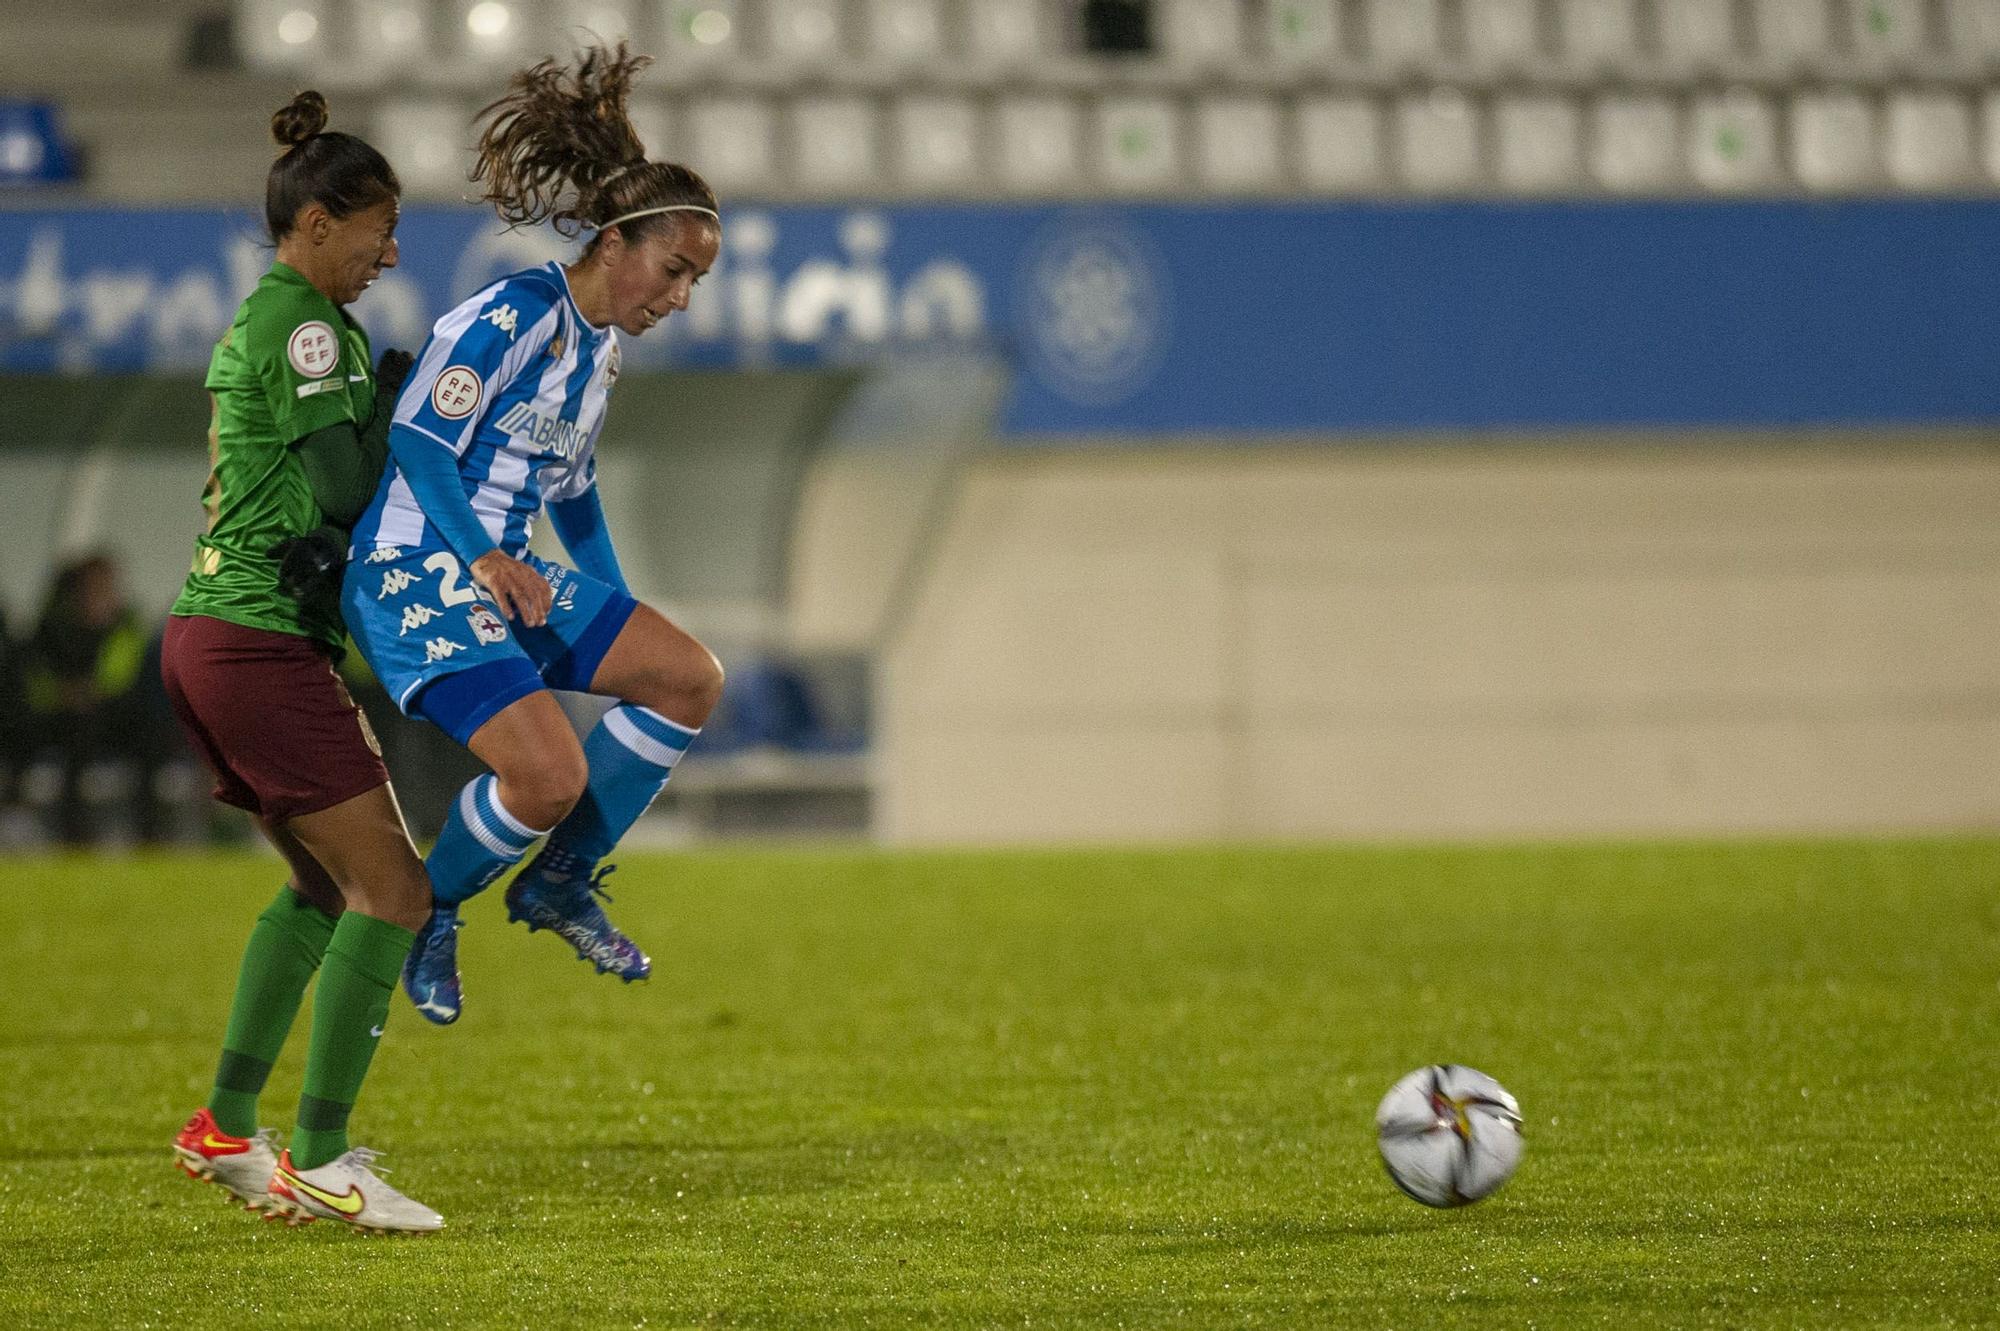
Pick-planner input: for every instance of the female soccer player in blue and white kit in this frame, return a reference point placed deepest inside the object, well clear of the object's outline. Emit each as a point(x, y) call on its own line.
point(498, 421)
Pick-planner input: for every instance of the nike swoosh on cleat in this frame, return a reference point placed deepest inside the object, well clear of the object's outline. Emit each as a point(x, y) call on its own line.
point(350, 1202)
point(209, 1142)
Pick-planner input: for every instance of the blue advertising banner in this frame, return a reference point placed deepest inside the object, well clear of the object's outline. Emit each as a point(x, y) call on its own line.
point(1303, 318)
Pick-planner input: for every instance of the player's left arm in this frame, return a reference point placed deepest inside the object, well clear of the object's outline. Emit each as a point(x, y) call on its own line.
point(579, 521)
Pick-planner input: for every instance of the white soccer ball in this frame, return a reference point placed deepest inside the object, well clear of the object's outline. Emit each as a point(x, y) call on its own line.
point(1449, 1135)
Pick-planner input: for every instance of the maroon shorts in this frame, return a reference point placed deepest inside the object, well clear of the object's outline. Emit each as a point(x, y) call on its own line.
point(271, 717)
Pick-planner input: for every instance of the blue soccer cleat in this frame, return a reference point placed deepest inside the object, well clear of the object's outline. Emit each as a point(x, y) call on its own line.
point(557, 891)
point(430, 972)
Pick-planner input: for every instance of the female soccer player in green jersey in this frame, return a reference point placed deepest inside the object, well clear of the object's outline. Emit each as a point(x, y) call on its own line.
point(297, 443)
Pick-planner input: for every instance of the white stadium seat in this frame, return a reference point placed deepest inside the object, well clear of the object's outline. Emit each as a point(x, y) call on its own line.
point(1972, 33)
point(497, 35)
point(1239, 144)
point(1138, 144)
point(1538, 143)
point(1301, 33)
point(1404, 35)
point(1793, 36)
point(1038, 144)
point(1340, 144)
point(577, 22)
point(1598, 36)
point(1698, 36)
point(1504, 36)
point(833, 143)
point(389, 35)
point(732, 141)
point(1199, 34)
point(1007, 36)
point(1989, 135)
point(430, 142)
point(936, 142)
point(700, 33)
point(283, 34)
point(1930, 140)
point(1438, 141)
point(905, 32)
point(1635, 143)
point(803, 32)
point(1888, 34)
point(1733, 142)
point(1833, 141)
point(655, 129)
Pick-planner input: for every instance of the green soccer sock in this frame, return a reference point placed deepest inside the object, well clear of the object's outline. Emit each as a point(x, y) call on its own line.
point(349, 1010)
point(278, 963)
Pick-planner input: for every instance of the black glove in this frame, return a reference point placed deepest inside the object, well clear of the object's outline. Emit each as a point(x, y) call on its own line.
point(390, 372)
point(310, 566)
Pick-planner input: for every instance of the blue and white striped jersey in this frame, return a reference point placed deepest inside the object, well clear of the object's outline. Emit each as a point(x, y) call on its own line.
point(515, 383)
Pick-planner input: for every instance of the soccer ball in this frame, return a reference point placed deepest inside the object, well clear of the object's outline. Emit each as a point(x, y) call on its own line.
point(1449, 1135)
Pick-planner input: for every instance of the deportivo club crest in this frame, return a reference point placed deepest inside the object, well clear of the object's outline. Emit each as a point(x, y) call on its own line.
point(486, 626)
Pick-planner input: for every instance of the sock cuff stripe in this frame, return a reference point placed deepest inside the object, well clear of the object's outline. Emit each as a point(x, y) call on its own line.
point(514, 827)
point(670, 733)
point(627, 732)
point(487, 829)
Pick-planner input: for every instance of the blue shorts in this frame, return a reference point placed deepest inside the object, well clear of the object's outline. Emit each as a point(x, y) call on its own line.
point(440, 647)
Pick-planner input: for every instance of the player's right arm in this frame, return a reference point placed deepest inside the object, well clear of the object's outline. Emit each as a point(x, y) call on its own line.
point(473, 355)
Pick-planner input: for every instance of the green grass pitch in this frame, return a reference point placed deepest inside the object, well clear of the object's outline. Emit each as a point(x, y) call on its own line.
point(1061, 1090)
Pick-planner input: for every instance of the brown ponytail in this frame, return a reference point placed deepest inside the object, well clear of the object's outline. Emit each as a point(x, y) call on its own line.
point(559, 146)
point(340, 172)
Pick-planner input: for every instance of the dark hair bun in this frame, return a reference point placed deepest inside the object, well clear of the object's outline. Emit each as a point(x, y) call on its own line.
point(304, 117)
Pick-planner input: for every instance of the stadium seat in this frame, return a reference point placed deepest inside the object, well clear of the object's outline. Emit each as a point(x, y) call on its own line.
point(1504, 36)
point(833, 143)
point(905, 32)
point(573, 23)
point(1340, 144)
point(1635, 143)
point(1239, 144)
point(1833, 140)
point(284, 35)
point(1598, 36)
point(430, 141)
point(1038, 144)
point(1792, 36)
point(1138, 144)
point(1199, 34)
point(732, 142)
point(656, 129)
point(1698, 37)
point(496, 35)
point(700, 33)
point(1989, 136)
point(1972, 34)
point(388, 35)
point(1930, 140)
point(1733, 142)
point(1404, 36)
point(1437, 141)
point(1301, 33)
point(936, 143)
point(1888, 34)
point(1006, 36)
point(1538, 142)
point(803, 33)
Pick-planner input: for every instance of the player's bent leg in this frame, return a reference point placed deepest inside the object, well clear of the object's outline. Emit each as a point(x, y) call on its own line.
point(659, 665)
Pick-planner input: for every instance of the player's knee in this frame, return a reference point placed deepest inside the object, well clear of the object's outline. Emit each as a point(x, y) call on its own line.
point(704, 687)
point(542, 793)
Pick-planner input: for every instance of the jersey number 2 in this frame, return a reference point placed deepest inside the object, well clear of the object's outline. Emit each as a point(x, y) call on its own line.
point(449, 592)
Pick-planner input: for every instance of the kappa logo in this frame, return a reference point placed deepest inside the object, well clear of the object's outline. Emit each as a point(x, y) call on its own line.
point(504, 318)
point(416, 616)
point(456, 393)
point(439, 649)
point(488, 627)
point(395, 582)
point(385, 554)
point(312, 349)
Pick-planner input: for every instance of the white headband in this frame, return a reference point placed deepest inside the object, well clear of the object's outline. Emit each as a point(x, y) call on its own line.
point(669, 208)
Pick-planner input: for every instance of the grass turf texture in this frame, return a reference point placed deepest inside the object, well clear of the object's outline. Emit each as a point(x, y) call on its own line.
point(1061, 1090)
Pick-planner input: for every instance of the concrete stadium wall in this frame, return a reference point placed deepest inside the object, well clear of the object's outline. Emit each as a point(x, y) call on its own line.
point(1452, 642)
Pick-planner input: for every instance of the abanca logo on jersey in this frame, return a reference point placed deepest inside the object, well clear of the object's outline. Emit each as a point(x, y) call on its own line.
point(529, 426)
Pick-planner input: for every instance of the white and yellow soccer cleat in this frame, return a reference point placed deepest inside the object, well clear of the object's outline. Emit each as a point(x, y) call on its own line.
point(347, 1189)
point(241, 1166)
